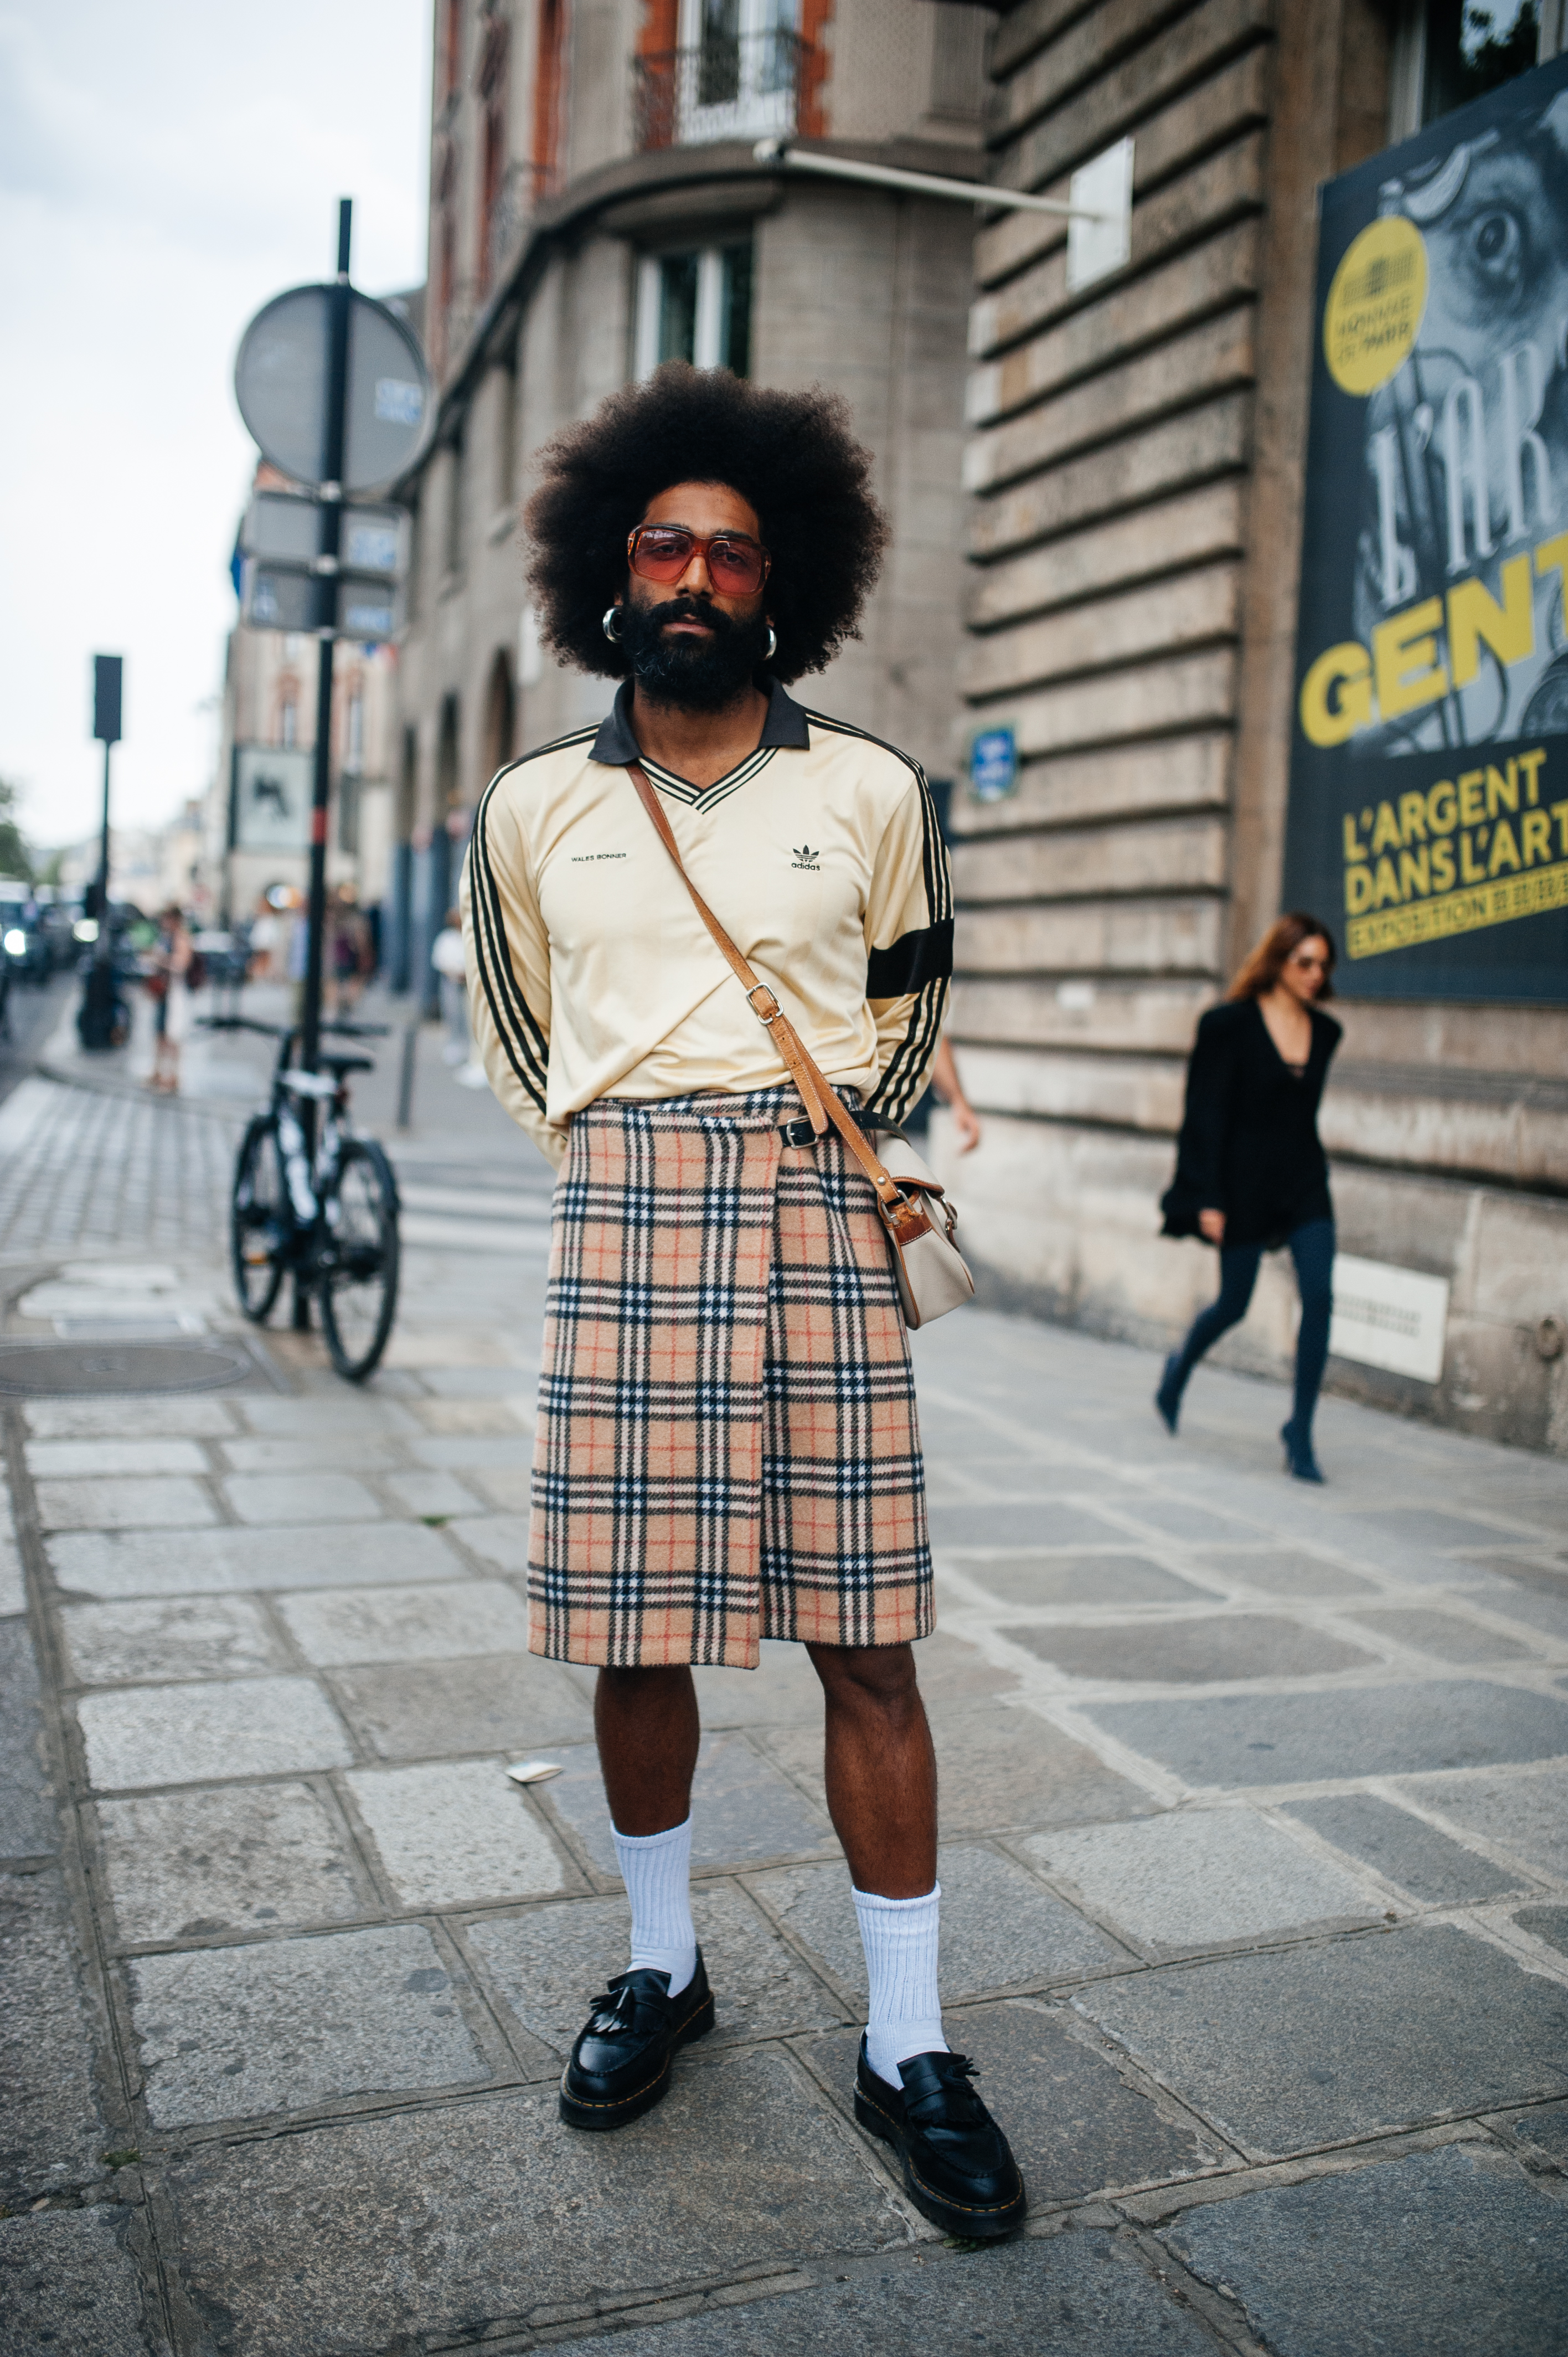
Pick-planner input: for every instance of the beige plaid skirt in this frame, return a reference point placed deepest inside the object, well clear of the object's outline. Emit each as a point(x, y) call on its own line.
point(727, 1447)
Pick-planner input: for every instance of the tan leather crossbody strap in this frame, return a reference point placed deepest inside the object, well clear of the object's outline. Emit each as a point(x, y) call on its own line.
point(817, 1093)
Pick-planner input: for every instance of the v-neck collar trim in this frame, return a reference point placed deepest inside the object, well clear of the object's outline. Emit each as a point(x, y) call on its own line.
point(785, 727)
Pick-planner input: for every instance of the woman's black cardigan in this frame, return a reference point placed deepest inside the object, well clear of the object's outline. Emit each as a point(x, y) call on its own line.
point(1249, 1144)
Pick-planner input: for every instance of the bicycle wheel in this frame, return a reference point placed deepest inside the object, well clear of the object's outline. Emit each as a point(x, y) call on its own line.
point(359, 1260)
point(260, 1222)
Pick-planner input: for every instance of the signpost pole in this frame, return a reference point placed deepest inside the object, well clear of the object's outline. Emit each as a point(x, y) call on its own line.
point(95, 1023)
point(326, 643)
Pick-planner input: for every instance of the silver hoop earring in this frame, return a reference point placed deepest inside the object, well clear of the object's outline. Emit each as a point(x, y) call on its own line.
point(610, 624)
point(771, 649)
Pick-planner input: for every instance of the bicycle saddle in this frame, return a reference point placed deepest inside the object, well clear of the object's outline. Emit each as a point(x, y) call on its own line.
point(341, 1064)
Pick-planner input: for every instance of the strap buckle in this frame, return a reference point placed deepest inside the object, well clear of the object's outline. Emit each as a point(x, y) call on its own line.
point(773, 1015)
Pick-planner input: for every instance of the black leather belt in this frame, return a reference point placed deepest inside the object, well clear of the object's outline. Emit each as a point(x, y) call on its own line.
point(800, 1131)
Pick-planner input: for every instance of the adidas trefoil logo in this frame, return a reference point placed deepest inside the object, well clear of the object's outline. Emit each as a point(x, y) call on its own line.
point(807, 858)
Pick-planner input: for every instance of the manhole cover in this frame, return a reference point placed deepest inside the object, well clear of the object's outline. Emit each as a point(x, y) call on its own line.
point(33, 1367)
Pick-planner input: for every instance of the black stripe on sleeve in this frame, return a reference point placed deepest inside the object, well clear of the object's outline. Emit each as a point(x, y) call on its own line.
point(908, 1069)
point(520, 1033)
point(914, 960)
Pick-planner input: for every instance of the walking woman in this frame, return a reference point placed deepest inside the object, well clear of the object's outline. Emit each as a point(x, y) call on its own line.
point(727, 1447)
point(1250, 1172)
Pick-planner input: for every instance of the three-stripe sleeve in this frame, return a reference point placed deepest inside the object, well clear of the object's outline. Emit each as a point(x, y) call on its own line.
point(506, 961)
point(909, 931)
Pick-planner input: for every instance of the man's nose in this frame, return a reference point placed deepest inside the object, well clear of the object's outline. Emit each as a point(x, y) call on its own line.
point(696, 580)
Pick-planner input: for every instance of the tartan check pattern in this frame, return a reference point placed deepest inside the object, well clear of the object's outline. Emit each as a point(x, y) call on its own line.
point(727, 1447)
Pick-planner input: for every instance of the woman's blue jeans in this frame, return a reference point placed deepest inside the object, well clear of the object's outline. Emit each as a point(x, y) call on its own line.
point(1312, 1249)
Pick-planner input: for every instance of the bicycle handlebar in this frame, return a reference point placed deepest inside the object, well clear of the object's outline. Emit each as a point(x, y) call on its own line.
point(238, 1023)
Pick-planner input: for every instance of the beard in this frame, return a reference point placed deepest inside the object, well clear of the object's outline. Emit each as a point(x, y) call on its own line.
point(684, 672)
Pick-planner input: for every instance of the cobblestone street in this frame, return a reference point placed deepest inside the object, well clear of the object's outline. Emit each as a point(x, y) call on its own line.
point(1254, 1811)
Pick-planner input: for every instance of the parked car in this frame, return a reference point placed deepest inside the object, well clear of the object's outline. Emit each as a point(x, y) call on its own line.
point(23, 937)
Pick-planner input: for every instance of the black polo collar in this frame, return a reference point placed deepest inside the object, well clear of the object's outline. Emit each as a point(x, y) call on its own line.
point(786, 724)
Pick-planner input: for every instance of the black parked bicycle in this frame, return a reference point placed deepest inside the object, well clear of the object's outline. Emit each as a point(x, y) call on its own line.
point(330, 1221)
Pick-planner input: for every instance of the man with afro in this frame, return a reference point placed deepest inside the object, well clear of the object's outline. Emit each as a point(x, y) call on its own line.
point(727, 1448)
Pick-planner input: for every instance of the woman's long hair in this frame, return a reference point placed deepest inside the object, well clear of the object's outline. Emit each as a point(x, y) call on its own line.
point(1284, 938)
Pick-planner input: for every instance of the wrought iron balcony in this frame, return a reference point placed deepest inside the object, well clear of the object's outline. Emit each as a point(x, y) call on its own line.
point(735, 86)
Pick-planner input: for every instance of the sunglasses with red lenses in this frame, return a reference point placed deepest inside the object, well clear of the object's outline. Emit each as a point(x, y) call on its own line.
point(661, 552)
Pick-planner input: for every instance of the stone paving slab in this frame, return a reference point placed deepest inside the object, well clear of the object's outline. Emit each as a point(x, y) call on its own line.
point(1408, 1851)
point(1295, 1739)
point(12, 1586)
point(300, 1498)
point(169, 1636)
point(1055, 1579)
point(428, 1495)
point(1313, 2045)
point(1042, 1524)
point(372, 1452)
point(455, 1832)
point(1077, 2127)
point(165, 1502)
point(197, 1563)
point(1286, 1572)
point(1546, 2127)
point(1436, 2254)
point(512, 1703)
point(48, 1458)
point(1195, 1878)
point(28, 1827)
point(1207, 1651)
point(1079, 2295)
point(186, 1865)
point(68, 2286)
point(233, 2032)
point(113, 1416)
point(490, 2212)
point(189, 1735)
point(742, 1808)
point(409, 1623)
point(999, 1928)
point(1444, 1634)
point(51, 2135)
point(1011, 1767)
point(500, 1540)
point(1526, 1816)
point(1548, 1923)
point(548, 1965)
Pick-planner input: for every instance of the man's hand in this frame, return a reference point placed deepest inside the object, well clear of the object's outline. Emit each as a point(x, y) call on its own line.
point(965, 1122)
point(949, 1090)
point(1212, 1225)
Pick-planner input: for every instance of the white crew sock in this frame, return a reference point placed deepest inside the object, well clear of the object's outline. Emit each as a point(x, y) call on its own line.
point(899, 1936)
point(657, 1871)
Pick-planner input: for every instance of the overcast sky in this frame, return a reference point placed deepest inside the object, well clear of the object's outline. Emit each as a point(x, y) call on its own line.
point(164, 168)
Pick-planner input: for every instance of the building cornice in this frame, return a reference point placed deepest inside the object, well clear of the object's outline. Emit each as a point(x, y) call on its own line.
point(656, 172)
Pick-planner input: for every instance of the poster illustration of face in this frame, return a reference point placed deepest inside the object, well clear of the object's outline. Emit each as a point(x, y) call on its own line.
point(1429, 768)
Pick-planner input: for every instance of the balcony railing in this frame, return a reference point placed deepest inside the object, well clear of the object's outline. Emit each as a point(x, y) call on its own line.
point(742, 86)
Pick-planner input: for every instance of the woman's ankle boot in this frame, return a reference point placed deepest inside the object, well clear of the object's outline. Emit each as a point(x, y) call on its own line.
point(1299, 1459)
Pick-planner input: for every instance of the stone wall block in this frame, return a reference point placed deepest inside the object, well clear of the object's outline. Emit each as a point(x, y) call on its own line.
point(1132, 311)
point(1185, 692)
point(1121, 781)
point(1186, 530)
point(1173, 854)
point(1167, 456)
point(1194, 609)
point(1164, 936)
point(1142, 1092)
point(1152, 1018)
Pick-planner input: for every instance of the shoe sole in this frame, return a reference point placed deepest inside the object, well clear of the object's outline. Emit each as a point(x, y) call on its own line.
point(953, 2217)
point(627, 2108)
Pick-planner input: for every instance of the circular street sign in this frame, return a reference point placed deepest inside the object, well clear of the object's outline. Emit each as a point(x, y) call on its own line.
point(280, 383)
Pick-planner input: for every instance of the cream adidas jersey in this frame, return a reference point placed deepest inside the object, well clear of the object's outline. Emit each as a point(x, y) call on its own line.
point(591, 975)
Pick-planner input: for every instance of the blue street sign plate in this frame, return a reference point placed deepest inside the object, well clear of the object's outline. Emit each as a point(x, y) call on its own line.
point(992, 765)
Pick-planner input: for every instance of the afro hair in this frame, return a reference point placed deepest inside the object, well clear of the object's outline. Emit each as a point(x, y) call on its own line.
point(792, 455)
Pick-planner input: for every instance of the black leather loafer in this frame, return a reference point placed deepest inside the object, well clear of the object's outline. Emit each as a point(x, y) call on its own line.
point(621, 2064)
point(958, 2169)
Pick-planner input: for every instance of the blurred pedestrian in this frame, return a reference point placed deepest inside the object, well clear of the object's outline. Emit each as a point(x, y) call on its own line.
point(446, 957)
point(948, 1088)
point(266, 932)
point(169, 986)
point(1250, 1172)
point(348, 944)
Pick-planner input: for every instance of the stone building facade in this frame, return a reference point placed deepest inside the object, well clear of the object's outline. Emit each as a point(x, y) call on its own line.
point(1135, 460)
point(595, 205)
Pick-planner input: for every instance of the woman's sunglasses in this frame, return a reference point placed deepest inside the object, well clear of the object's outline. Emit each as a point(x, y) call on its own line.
point(661, 552)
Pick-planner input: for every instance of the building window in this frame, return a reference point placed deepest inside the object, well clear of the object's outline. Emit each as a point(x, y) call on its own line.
point(457, 504)
point(288, 720)
point(958, 62)
point(695, 306)
point(354, 754)
point(1447, 52)
point(735, 71)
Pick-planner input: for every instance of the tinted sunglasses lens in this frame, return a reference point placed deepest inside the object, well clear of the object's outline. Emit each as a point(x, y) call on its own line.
point(662, 555)
point(734, 564)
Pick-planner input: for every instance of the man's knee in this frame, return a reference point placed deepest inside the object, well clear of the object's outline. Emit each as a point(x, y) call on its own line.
point(867, 1678)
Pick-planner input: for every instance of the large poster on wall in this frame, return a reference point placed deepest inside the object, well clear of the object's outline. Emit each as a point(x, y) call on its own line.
point(1429, 770)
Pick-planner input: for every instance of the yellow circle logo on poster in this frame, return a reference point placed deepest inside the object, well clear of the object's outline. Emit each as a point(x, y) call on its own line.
point(1376, 305)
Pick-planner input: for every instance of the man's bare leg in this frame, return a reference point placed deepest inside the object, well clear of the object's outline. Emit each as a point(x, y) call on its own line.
point(881, 1768)
point(646, 1725)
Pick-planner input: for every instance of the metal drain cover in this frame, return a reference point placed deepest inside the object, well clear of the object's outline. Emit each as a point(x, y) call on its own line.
point(29, 1368)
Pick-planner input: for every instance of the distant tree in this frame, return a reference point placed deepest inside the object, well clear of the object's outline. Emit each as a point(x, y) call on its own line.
point(16, 859)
